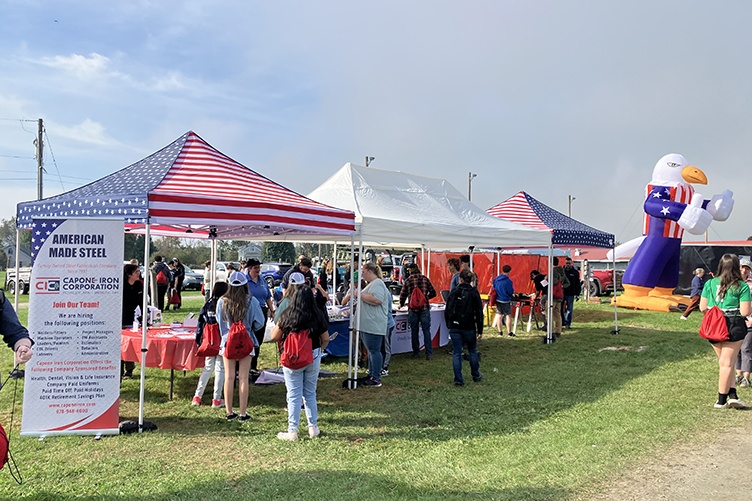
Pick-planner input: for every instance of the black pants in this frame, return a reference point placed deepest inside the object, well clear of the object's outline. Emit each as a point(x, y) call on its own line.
point(161, 291)
point(260, 338)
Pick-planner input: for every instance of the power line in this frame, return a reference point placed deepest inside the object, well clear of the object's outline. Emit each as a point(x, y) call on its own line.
point(49, 145)
point(17, 119)
point(17, 156)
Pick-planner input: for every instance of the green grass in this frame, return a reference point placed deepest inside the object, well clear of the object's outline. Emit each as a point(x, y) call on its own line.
point(547, 422)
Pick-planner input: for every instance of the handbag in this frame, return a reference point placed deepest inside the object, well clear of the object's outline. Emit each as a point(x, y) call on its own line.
point(174, 298)
point(558, 291)
point(714, 327)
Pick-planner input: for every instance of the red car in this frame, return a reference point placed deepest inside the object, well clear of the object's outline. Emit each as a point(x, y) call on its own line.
point(602, 282)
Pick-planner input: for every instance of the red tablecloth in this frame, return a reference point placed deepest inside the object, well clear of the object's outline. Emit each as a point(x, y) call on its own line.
point(169, 348)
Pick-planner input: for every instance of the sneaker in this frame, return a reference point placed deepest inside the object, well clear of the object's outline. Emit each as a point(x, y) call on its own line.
point(384, 372)
point(416, 355)
point(511, 334)
point(196, 401)
point(719, 405)
point(682, 317)
point(745, 383)
point(736, 403)
point(459, 383)
point(739, 378)
point(478, 379)
point(231, 416)
point(245, 417)
point(290, 436)
point(429, 356)
point(372, 382)
point(313, 431)
point(218, 404)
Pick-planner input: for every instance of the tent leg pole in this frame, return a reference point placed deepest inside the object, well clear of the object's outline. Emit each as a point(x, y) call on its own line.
point(144, 326)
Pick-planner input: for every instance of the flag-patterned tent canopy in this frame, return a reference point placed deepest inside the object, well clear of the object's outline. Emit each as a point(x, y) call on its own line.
point(189, 186)
point(524, 209)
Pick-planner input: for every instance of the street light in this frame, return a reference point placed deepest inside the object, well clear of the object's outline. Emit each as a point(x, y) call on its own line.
point(569, 204)
point(470, 177)
point(369, 160)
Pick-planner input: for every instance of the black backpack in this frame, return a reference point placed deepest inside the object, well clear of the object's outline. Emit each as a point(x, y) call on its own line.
point(460, 307)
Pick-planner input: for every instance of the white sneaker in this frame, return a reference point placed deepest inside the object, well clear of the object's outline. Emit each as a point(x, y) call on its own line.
point(683, 317)
point(290, 436)
point(313, 431)
point(721, 406)
point(736, 403)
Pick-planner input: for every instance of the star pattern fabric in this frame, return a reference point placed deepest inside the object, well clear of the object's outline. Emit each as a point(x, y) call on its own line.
point(526, 210)
point(41, 229)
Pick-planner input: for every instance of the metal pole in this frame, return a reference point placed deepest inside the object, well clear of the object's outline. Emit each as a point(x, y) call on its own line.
point(40, 162)
point(144, 327)
point(470, 177)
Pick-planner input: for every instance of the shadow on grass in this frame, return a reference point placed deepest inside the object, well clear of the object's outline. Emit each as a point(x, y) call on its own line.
point(524, 382)
point(327, 484)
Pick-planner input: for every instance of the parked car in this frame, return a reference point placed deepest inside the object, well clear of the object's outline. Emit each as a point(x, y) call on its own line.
point(222, 270)
point(23, 282)
point(602, 282)
point(274, 272)
point(193, 279)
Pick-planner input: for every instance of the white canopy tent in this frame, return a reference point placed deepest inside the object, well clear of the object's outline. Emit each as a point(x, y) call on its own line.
point(396, 209)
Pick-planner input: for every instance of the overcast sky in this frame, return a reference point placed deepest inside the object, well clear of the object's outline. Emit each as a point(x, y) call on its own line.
point(556, 98)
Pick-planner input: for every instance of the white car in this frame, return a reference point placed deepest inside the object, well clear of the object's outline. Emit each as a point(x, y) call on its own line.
point(221, 272)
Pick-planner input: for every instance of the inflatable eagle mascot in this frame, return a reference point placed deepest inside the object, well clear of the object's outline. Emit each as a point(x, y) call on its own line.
point(671, 206)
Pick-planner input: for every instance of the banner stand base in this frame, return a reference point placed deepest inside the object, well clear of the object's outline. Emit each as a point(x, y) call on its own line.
point(127, 427)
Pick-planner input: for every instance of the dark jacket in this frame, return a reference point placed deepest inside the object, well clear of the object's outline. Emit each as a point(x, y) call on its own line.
point(10, 327)
point(133, 297)
point(476, 322)
point(574, 289)
point(207, 312)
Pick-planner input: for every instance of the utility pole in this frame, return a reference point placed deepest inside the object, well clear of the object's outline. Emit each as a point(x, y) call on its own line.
point(369, 160)
point(40, 161)
point(569, 204)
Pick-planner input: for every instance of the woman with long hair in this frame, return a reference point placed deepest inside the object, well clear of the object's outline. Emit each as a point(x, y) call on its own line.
point(237, 306)
point(133, 297)
point(211, 364)
point(302, 315)
point(731, 294)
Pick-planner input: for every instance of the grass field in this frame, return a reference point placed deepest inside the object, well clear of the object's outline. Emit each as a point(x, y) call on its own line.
point(547, 422)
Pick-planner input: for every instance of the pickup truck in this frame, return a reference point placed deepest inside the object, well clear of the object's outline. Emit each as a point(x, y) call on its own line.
point(23, 283)
point(602, 282)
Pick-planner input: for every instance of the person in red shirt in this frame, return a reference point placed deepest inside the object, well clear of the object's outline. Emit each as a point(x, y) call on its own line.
point(420, 316)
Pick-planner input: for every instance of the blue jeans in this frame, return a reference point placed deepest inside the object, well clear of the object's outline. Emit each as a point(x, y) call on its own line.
point(373, 344)
point(301, 383)
point(422, 317)
point(471, 341)
point(566, 310)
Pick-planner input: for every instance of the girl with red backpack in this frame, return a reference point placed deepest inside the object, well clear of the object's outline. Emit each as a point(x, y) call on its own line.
point(216, 363)
point(238, 315)
point(302, 326)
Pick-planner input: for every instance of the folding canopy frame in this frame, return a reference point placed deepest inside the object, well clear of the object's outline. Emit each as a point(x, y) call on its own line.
point(564, 232)
point(189, 189)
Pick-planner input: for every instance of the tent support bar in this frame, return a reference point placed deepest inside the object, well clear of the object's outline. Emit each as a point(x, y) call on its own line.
point(144, 327)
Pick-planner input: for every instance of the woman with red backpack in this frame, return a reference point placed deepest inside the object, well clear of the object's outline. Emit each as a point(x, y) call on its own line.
point(303, 335)
point(238, 315)
point(215, 364)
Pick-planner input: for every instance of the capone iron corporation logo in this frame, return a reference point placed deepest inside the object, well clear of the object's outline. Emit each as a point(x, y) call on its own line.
point(47, 285)
point(54, 285)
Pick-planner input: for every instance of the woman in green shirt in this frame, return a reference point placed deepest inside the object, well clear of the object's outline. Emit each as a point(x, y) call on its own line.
point(731, 294)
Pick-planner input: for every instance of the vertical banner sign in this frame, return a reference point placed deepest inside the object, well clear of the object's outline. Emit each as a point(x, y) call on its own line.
point(72, 384)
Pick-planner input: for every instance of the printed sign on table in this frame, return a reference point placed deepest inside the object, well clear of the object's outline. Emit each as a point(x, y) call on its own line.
point(72, 383)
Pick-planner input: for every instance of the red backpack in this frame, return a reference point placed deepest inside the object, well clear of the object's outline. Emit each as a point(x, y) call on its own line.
point(418, 300)
point(239, 344)
point(297, 351)
point(714, 326)
point(161, 278)
point(4, 443)
point(211, 340)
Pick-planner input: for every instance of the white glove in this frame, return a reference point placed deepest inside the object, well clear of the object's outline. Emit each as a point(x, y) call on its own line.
point(695, 219)
point(720, 205)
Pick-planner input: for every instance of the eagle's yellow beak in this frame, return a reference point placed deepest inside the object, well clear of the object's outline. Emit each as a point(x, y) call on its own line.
point(692, 174)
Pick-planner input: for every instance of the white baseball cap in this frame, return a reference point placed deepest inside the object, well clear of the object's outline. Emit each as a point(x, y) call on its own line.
point(237, 279)
point(297, 278)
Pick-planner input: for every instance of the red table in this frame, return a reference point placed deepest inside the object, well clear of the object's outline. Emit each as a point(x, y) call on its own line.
point(168, 347)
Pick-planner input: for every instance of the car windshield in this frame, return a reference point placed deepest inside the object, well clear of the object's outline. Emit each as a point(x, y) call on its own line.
point(188, 269)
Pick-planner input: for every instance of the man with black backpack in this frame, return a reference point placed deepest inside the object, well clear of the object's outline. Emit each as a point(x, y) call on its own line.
point(464, 318)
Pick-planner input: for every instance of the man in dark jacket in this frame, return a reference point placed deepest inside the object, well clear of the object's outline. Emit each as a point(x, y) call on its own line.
point(573, 290)
point(160, 266)
point(464, 318)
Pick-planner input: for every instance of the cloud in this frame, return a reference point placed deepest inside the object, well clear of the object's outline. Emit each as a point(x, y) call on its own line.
point(82, 67)
point(88, 131)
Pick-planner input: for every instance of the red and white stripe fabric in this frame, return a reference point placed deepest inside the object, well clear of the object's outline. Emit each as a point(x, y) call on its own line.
point(206, 187)
point(517, 209)
point(680, 194)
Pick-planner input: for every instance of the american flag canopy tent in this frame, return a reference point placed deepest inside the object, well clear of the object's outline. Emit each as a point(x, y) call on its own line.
point(189, 186)
point(526, 210)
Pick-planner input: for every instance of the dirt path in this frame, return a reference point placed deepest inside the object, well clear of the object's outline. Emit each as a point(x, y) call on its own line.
point(718, 469)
